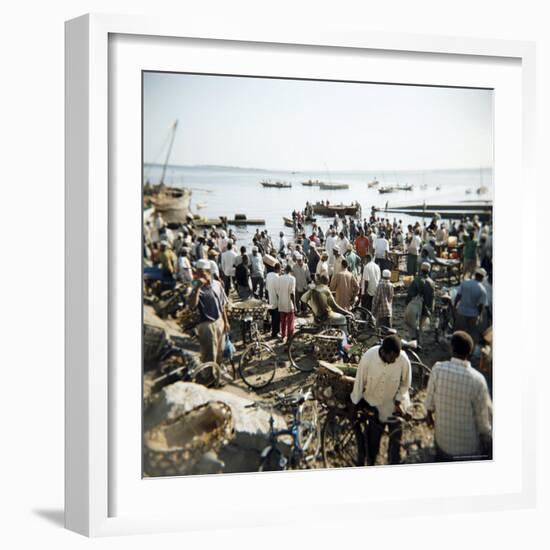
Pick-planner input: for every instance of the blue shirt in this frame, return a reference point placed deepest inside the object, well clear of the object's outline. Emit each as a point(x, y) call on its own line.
point(472, 295)
point(211, 301)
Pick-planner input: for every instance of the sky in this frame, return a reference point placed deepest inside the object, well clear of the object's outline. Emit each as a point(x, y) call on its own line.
point(299, 125)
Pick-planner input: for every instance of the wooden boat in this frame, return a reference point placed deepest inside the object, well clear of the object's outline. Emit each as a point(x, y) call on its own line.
point(387, 189)
point(404, 187)
point(372, 183)
point(288, 222)
point(171, 202)
point(222, 221)
point(277, 184)
point(457, 211)
point(246, 221)
point(332, 186)
point(311, 183)
point(332, 209)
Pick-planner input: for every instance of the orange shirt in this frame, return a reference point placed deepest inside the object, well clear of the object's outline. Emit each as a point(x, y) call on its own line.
point(362, 246)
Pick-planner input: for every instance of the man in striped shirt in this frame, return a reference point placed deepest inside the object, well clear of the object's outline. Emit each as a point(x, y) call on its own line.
point(459, 405)
point(383, 300)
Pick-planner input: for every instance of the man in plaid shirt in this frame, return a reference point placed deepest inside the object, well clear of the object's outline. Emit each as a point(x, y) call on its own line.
point(382, 301)
point(459, 397)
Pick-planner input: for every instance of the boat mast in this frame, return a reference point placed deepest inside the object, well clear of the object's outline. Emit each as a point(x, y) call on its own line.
point(174, 127)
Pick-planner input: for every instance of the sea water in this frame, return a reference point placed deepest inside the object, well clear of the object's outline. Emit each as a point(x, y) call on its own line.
point(220, 191)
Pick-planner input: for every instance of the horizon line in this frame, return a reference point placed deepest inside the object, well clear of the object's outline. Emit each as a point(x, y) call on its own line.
point(314, 171)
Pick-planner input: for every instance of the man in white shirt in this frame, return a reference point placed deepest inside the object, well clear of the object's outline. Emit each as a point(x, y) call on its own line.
point(381, 249)
point(342, 243)
point(382, 383)
point(413, 250)
point(335, 266)
point(257, 272)
point(272, 288)
point(322, 266)
point(369, 282)
point(286, 291)
point(227, 261)
point(330, 244)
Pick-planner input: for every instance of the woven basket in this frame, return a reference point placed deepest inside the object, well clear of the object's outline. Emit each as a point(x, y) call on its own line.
point(332, 387)
point(176, 445)
point(327, 345)
point(249, 308)
point(154, 339)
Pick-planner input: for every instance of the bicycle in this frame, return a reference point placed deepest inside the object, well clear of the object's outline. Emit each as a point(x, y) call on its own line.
point(443, 315)
point(344, 438)
point(304, 346)
point(420, 372)
point(257, 364)
point(304, 432)
point(417, 444)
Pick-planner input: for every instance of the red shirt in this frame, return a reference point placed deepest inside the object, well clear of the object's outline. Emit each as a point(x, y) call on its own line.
point(362, 246)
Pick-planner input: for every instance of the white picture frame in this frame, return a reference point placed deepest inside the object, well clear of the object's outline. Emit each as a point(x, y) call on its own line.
point(93, 216)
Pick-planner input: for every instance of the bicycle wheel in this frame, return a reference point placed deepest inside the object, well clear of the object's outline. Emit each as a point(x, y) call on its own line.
point(309, 430)
point(208, 374)
point(257, 365)
point(417, 442)
point(301, 351)
point(273, 461)
point(420, 373)
point(342, 442)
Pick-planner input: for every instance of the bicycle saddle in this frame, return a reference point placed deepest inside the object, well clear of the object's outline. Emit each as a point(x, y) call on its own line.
point(387, 331)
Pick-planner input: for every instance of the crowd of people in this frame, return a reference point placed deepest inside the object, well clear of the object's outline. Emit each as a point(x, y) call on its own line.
point(352, 258)
point(325, 272)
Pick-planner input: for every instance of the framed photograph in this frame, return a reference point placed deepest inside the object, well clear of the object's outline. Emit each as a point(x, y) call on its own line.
point(287, 275)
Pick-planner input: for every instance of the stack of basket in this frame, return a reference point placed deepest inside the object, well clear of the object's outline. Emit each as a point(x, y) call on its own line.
point(327, 345)
point(255, 309)
point(332, 387)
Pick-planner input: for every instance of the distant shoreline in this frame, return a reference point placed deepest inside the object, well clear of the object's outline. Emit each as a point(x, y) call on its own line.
point(319, 171)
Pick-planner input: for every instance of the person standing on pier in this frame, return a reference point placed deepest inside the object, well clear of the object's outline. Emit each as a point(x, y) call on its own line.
point(382, 303)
